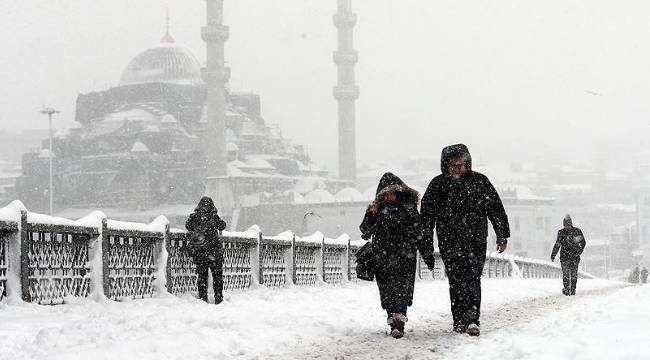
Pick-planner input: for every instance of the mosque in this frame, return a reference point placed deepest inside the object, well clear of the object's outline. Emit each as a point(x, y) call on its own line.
point(171, 131)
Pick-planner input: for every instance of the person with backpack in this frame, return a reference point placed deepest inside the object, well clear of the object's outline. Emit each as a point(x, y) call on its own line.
point(393, 222)
point(204, 225)
point(570, 242)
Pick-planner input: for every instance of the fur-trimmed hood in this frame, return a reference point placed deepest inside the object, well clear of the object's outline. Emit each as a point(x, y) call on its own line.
point(389, 182)
point(455, 151)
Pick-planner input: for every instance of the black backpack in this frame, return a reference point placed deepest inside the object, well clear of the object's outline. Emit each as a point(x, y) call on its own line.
point(197, 243)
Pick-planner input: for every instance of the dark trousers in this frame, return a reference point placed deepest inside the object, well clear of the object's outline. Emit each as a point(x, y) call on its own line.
point(569, 276)
point(464, 275)
point(202, 267)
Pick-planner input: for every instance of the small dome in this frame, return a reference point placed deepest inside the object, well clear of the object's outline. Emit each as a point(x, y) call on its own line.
point(349, 195)
point(166, 63)
point(319, 196)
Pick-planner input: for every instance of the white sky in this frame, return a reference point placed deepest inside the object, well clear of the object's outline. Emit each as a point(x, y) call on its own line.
point(511, 78)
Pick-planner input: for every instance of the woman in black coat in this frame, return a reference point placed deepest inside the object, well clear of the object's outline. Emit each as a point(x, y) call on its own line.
point(204, 225)
point(394, 223)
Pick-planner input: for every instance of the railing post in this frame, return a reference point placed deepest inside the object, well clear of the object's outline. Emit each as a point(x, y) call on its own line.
point(293, 259)
point(161, 259)
point(289, 262)
point(13, 255)
point(346, 265)
point(259, 259)
point(106, 247)
point(320, 267)
point(24, 257)
point(168, 269)
point(95, 258)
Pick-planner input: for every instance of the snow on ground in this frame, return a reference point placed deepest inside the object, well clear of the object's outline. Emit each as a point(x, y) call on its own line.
point(526, 319)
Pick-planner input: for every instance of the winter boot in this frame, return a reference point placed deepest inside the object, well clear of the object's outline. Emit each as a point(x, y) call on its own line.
point(396, 322)
point(565, 292)
point(473, 330)
point(460, 328)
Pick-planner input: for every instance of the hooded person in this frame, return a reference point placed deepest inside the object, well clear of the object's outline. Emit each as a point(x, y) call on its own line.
point(204, 225)
point(393, 222)
point(458, 204)
point(570, 243)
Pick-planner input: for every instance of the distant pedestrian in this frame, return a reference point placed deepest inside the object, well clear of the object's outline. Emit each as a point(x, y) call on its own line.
point(458, 204)
point(635, 275)
point(644, 275)
point(571, 243)
point(393, 222)
point(204, 225)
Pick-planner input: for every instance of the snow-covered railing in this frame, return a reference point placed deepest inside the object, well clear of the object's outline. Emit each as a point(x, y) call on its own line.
point(45, 259)
point(132, 256)
point(503, 266)
point(6, 228)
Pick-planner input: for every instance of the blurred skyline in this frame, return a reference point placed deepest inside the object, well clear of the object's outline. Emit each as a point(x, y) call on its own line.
point(514, 80)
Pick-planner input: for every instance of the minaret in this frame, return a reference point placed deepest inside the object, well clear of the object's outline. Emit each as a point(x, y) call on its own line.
point(216, 75)
point(346, 92)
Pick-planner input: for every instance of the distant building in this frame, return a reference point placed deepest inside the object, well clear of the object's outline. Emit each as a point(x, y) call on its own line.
point(142, 144)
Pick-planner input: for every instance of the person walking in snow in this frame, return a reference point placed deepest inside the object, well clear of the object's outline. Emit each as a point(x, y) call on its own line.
point(635, 275)
point(458, 204)
point(204, 225)
point(570, 242)
point(393, 222)
point(644, 275)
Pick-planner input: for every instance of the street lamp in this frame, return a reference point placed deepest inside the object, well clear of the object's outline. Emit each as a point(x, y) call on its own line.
point(49, 111)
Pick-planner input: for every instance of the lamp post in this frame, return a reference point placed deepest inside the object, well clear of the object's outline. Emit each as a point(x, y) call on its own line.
point(49, 111)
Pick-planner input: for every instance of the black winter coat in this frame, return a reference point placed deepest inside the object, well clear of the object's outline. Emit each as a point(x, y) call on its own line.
point(459, 208)
point(206, 221)
point(570, 242)
point(396, 237)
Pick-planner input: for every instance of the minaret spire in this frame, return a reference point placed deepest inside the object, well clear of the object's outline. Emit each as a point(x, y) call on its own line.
point(346, 92)
point(167, 38)
point(216, 76)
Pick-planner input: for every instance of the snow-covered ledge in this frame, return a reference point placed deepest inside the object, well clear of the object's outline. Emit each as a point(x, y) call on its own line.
point(12, 214)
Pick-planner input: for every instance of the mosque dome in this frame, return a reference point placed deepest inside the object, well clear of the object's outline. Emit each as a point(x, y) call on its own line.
point(166, 63)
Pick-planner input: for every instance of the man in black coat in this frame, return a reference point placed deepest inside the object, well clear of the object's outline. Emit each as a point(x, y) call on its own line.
point(570, 242)
point(204, 225)
point(458, 204)
point(393, 222)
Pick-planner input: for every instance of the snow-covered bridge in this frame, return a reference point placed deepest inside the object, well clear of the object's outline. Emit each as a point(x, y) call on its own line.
point(521, 319)
point(287, 298)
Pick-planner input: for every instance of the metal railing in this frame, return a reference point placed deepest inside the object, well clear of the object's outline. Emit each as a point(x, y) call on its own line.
point(53, 259)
